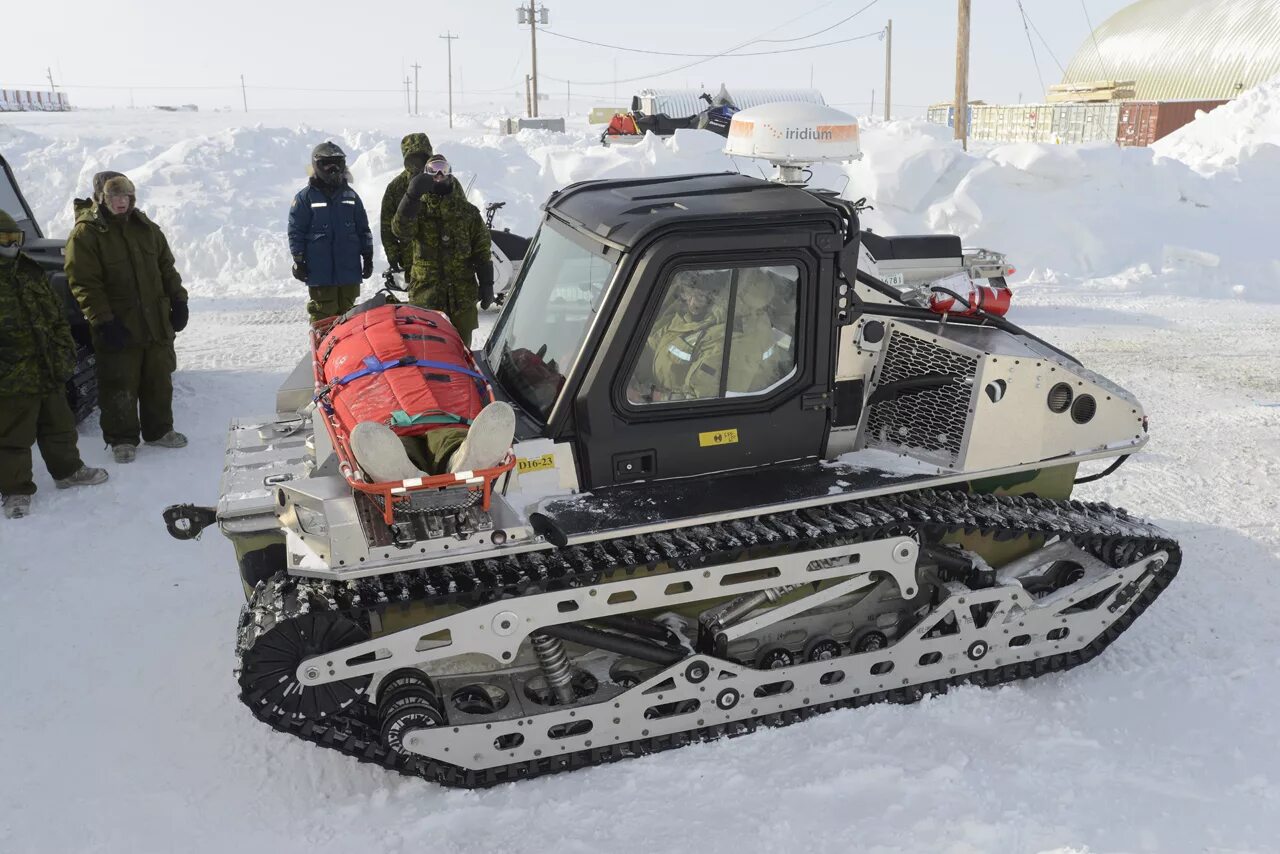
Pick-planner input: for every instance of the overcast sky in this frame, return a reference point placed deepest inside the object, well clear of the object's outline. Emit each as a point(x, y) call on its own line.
point(188, 53)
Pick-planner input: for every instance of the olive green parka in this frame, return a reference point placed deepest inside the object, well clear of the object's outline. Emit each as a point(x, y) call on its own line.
point(450, 252)
point(37, 352)
point(398, 250)
point(121, 267)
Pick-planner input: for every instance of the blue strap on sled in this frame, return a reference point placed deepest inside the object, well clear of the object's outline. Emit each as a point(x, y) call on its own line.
point(375, 366)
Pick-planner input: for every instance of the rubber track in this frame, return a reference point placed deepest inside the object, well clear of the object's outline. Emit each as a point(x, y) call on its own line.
point(1109, 533)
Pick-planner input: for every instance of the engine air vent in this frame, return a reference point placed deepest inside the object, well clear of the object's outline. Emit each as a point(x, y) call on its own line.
point(1060, 398)
point(1083, 410)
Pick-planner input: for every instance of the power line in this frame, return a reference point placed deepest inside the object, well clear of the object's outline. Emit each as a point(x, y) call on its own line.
point(723, 53)
point(1027, 29)
point(737, 47)
point(1044, 42)
point(825, 29)
point(1094, 34)
point(713, 55)
point(709, 57)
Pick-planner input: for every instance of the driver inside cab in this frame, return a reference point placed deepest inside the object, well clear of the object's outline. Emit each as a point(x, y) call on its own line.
point(684, 356)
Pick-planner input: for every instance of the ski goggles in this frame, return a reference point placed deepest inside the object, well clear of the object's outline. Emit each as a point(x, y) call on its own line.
point(436, 168)
point(12, 238)
point(328, 164)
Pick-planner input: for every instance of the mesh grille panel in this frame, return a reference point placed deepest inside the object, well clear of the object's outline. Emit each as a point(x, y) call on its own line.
point(932, 420)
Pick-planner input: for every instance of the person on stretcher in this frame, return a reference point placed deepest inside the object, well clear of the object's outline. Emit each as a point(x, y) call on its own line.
point(385, 456)
point(401, 384)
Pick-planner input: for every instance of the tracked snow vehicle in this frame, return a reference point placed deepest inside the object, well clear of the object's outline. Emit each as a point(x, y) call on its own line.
point(750, 484)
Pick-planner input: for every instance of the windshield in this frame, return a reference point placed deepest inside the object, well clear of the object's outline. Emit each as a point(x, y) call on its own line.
point(540, 334)
point(11, 204)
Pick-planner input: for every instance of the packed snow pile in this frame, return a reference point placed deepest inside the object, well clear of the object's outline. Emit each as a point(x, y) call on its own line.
point(1237, 136)
point(1093, 217)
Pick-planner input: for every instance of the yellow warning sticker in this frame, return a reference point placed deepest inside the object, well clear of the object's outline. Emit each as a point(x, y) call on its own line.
point(717, 437)
point(546, 461)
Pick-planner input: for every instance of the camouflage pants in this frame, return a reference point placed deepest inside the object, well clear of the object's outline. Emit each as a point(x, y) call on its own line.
point(44, 420)
point(331, 301)
point(461, 308)
point(431, 451)
point(136, 381)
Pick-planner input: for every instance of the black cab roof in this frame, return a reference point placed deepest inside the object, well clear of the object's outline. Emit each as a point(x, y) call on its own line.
point(622, 212)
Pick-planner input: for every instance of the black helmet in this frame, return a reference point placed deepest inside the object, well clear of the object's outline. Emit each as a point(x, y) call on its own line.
point(329, 163)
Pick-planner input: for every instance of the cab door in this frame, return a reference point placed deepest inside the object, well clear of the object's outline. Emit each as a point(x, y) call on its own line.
point(719, 358)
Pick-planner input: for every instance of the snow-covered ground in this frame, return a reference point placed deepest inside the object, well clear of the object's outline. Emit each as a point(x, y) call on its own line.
point(120, 731)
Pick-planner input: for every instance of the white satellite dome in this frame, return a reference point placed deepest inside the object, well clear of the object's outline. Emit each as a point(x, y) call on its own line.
point(794, 135)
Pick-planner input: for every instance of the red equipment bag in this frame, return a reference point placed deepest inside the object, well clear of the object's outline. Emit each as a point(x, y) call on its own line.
point(400, 365)
point(622, 124)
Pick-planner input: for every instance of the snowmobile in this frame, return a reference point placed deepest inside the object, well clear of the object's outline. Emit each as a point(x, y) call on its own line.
point(82, 387)
point(719, 113)
point(749, 484)
point(508, 251)
point(632, 126)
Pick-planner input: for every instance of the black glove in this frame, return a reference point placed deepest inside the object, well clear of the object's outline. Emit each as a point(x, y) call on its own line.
point(178, 316)
point(113, 334)
point(367, 269)
point(299, 268)
point(484, 276)
point(419, 186)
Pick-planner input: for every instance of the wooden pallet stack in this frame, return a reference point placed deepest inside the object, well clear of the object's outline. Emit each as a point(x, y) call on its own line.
point(1093, 90)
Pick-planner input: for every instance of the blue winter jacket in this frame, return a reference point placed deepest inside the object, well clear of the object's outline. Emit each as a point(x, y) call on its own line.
point(330, 230)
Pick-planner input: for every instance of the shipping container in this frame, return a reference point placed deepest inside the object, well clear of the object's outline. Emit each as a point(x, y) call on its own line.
point(1143, 122)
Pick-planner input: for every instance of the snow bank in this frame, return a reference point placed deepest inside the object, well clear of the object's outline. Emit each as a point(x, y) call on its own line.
point(1232, 136)
point(1185, 217)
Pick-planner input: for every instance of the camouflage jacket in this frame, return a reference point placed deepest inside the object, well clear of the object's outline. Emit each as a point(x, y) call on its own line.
point(397, 250)
point(450, 251)
point(37, 353)
point(122, 267)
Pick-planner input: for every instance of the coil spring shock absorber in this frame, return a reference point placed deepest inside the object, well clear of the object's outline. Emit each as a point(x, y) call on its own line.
point(555, 666)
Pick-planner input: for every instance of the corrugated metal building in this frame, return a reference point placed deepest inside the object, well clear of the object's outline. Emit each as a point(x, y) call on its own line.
point(679, 103)
point(1184, 49)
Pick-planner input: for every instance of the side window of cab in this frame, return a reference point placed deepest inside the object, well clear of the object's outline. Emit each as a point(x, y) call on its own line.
point(719, 332)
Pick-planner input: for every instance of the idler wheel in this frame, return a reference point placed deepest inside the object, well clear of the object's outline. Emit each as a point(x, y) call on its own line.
point(269, 669)
point(409, 709)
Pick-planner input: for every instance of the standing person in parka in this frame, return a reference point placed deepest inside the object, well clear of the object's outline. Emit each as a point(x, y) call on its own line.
point(450, 251)
point(329, 235)
point(122, 274)
point(416, 149)
point(37, 354)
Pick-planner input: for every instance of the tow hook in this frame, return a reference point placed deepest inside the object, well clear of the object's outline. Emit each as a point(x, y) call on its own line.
point(187, 521)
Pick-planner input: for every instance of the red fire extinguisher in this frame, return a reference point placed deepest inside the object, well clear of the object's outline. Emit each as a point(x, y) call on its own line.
point(982, 299)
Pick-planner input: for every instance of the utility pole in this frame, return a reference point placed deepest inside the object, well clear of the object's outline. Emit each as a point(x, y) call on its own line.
point(888, 68)
point(448, 41)
point(528, 96)
point(415, 68)
point(872, 111)
point(244, 96)
point(568, 98)
point(533, 16)
point(962, 76)
point(408, 107)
